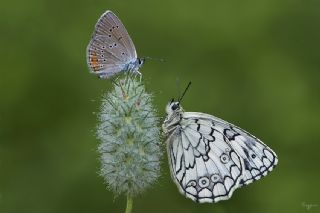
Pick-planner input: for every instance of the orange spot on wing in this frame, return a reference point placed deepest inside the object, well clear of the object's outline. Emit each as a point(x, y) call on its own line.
point(94, 62)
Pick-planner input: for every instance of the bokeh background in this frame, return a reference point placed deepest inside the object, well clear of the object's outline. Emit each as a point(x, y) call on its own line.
point(253, 63)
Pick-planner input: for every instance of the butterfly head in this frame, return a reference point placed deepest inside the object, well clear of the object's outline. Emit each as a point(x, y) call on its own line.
point(173, 107)
point(141, 61)
point(174, 114)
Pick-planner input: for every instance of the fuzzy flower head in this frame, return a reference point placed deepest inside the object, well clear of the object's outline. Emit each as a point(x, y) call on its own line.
point(129, 134)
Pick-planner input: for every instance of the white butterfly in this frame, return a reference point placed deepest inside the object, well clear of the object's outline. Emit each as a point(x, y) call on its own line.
point(209, 158)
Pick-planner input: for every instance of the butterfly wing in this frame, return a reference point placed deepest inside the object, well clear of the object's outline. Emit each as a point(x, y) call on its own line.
point(202, 162)
point(110, 25)
point(111, 47)
point(258, 158)
point(102, 60)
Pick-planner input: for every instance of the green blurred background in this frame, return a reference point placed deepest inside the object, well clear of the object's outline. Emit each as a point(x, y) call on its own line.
point(253, 63)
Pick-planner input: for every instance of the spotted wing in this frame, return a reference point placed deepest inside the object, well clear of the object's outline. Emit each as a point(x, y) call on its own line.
point(203, 164)
point(110, 48)
point(258, 158)
point(110, 25)
point(102, 59)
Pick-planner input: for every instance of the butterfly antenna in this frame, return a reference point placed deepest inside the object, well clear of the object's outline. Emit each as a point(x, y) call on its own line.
point(184, 92)
point(157, 59)
point(178, 87)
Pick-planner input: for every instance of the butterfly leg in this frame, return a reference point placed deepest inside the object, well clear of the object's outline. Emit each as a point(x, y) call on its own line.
point(138, 73)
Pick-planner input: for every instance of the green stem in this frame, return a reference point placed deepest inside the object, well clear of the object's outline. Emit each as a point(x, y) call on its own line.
point(129, 204)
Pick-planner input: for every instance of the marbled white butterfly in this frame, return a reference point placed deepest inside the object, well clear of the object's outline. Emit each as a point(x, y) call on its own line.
point(209, 158)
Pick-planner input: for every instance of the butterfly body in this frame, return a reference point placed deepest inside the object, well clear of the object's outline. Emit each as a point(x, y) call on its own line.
point(209, 158)
point(134, 66)
point(111, 50)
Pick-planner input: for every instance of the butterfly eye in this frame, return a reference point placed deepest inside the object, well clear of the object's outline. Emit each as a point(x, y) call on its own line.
point(141, 61)
point(175, 106)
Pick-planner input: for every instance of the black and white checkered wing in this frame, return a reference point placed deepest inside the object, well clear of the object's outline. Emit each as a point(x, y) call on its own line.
point(203, 163)
point(258, 159)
